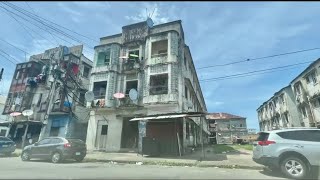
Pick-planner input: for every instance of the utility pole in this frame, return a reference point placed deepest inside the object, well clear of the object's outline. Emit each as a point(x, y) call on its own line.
point(51, 94)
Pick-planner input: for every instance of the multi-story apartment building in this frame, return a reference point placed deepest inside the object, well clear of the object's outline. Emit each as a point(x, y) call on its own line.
point(300, 105)
point(51, 87)
point(225, 128)
point(279, 111)
point(306, 90)
point(153, 68)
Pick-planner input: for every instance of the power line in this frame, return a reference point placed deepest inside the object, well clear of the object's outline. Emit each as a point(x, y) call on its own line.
point(38, 19)
point(9, 56)
point(63, 26)
point(46, 28)
point(253, 72)
point(7, 59)
point(259, 58)
point(14, 46)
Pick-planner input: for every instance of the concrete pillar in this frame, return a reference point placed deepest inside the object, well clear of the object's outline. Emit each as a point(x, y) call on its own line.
point(91, 131)
point(142, 133)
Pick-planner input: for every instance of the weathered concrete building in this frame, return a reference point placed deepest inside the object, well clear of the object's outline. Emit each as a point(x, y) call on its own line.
point(306, 90)
point(297, 105)
point(156, 66)
point(225, 128)
point(279, 111)
point(52, 86)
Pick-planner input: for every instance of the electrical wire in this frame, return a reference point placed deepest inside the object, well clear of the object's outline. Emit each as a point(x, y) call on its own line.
point(39, 19)
point(9, 56)
point(256, 71)
point(14, 46)
point(259, 58)
point(46, 28)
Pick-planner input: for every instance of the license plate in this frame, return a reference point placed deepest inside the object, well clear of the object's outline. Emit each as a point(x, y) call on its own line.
point(78, 153)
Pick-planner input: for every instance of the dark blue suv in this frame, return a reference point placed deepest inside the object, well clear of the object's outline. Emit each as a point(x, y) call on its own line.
point(55, 149)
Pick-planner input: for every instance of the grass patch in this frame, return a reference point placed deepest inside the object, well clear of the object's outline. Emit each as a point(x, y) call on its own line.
point(219, 148)
point(248, 147)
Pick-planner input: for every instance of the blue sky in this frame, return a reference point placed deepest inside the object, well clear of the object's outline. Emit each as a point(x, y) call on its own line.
point(216, 32)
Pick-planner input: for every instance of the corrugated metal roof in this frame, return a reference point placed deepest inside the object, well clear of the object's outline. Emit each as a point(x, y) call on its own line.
point(223, 116)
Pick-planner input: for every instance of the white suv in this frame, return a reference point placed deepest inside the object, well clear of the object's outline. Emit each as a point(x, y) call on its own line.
point(294, 151)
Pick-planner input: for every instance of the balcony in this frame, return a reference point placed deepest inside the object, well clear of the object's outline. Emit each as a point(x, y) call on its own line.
point(131, 66)
point(127, 102)
point(158, 58)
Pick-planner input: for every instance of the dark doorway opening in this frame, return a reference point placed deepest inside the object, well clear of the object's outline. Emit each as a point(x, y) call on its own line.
point(130, 134)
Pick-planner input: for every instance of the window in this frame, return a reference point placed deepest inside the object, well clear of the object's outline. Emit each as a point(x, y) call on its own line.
point(18, 75)
point(185, 62)
point(82, 98)
point(301, 135)
point(263, 137)
point(99, 89)
point(159, 84)
point(134, 55)
point(131, 85)
point(104, 129)
point(44, 141)
point(86, 71)
point(286, 118)
point(39, 100)
point(186, 92)
point(240, 125)
point(297, 89)
point(56, 141)
point(282, 98)
point(159, 48)
point(103, 58)
point(304, 112)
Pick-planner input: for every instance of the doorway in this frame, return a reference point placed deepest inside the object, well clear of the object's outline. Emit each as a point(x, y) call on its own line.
point(130, 134)
point(102, 133)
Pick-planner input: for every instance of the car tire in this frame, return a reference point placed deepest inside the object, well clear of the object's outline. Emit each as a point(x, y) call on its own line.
point(25, 156)
point(294, 168)
point(56, 157)
point(79, 159)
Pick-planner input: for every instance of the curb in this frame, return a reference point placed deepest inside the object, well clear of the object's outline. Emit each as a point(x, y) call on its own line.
point(166, 163)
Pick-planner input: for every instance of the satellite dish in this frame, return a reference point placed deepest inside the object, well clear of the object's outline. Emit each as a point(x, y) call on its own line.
point(13, 114)
point(27, 112)
point(118, 95)
point(89, 96)
point(149, 22)
point(133, 94)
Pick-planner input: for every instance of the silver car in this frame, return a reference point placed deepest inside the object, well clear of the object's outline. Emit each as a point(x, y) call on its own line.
point(294, 151)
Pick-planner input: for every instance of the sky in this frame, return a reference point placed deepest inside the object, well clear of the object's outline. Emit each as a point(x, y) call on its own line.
point(216, 32)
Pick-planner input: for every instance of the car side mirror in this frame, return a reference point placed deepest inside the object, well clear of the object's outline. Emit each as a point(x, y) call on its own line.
point(36, 144)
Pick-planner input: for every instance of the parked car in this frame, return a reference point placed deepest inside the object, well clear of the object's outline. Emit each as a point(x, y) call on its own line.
point(55, 149)
point(7, 146)
point(294, 151)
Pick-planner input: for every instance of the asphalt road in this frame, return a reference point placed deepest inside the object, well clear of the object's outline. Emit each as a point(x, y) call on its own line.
point(14, 168)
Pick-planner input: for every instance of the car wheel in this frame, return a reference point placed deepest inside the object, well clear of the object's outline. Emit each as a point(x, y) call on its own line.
point(25, 156)
point(294, 168)
point(56, 157)
point(79, 159)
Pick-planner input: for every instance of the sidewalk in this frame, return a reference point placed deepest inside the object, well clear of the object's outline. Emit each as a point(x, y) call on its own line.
point(239, 159)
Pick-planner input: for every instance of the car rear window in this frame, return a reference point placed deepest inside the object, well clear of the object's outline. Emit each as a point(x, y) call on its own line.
point(75, 141)
point(263, 136)
point(301, 135)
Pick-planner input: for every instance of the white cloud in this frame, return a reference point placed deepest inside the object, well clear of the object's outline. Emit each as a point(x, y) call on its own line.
point(65, 7)
point(153, 12)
